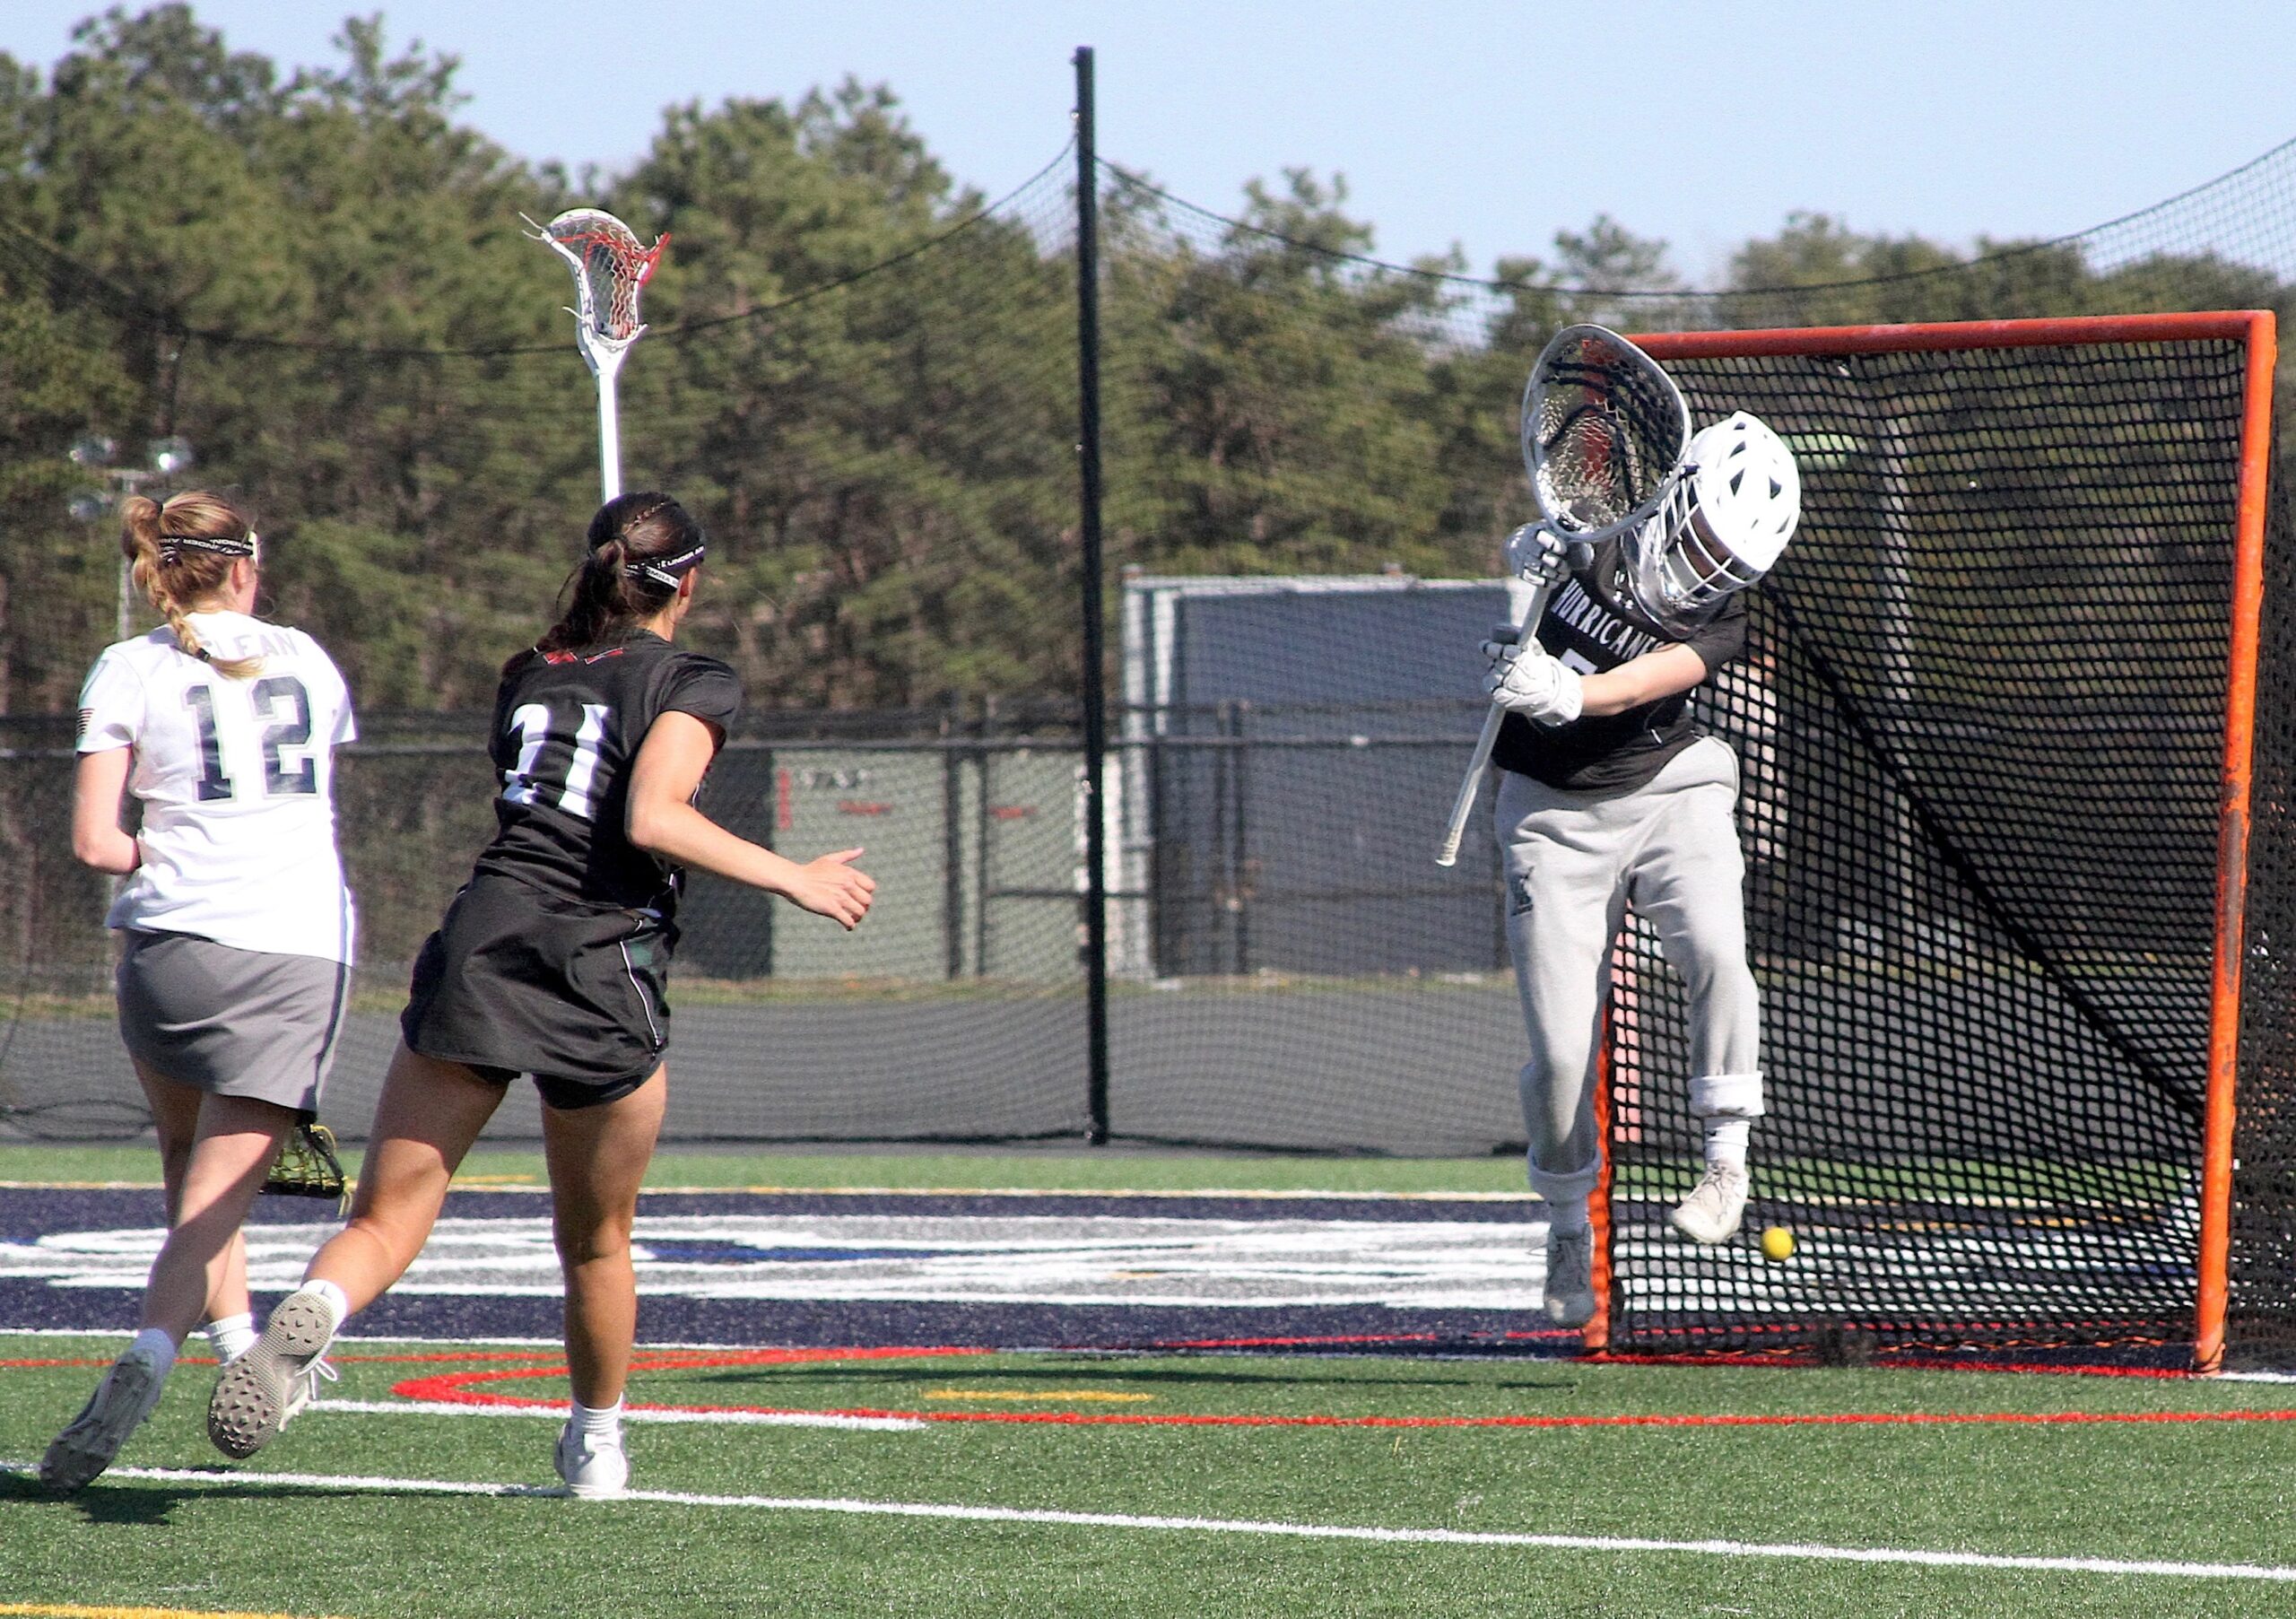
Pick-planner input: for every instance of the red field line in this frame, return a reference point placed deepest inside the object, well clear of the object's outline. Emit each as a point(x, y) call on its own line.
point(462, 1388)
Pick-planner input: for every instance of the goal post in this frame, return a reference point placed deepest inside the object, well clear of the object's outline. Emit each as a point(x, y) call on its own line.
point(1998, 723)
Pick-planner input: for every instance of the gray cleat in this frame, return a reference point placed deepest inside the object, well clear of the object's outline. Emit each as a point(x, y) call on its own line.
point(114, 1411)
point(1569, 1277)
point(271, 1382)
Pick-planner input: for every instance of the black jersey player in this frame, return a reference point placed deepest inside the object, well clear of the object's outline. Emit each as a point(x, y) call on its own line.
point(1607, 796)
point(551, 962)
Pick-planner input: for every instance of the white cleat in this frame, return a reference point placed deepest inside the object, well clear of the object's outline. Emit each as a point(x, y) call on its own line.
point(117, 1407)
point(271, 1382)
point(1715, 1206)
point(1569, 1277)
point(593, 1467)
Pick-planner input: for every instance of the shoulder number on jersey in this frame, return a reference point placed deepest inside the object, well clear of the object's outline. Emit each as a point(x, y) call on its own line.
point(281, 700)
point(527, 781)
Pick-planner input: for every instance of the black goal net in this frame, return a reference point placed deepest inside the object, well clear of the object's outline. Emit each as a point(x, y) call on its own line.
point(1983, 725)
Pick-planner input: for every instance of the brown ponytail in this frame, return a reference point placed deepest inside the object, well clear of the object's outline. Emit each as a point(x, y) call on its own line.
point(641, 546)
point(180, 556)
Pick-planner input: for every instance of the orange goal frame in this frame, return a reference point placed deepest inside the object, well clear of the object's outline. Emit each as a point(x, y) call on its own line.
point(2257, 330)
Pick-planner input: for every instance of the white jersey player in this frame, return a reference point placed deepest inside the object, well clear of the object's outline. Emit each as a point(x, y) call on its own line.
point(1608, 795)
point(236, 921)
point(235, 778)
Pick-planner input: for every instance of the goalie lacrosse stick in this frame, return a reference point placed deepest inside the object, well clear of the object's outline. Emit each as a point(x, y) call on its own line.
point(1604, 429)
point(307, 1166)
point(609, 270)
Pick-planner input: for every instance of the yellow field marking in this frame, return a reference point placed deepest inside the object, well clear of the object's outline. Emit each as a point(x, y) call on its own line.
point(54, 1610)
point(1105, 1395)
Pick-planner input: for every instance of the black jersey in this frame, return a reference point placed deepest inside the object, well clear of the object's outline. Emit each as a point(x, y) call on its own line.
point(1592, 623)
point(567, 727)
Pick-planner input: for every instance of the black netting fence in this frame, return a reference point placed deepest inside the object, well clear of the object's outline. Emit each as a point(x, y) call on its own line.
point(1980, 726)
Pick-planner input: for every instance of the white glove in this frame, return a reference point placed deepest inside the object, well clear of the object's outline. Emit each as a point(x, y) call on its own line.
point(1538, 555)
point(1525, 680)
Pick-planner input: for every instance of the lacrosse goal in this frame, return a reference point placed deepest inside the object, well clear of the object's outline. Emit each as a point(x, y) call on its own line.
point(2016, 815)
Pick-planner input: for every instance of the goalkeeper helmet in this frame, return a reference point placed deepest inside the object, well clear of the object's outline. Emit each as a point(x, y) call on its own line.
point(1721, 527)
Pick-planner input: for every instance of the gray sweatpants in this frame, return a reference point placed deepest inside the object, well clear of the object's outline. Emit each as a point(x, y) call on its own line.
point(1573, 863)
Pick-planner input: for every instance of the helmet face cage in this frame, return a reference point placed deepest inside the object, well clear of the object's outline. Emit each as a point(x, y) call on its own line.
point(1721, 527)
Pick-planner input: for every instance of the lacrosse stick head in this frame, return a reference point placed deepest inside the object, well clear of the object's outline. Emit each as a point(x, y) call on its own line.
point(611, 268)
point(1604, 432)
point(306, 1166)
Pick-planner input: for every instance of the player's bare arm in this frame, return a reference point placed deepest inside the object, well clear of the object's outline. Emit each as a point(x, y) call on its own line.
point(663, 821)
point(1650, 678)
point(99, 781)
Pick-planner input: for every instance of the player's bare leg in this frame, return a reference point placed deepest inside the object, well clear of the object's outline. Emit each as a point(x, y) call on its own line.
point(598, 1159)
point(212, 1175)
point(425, 1121)
point(428, 1115)
point(202, 1268)
point(175, 1118)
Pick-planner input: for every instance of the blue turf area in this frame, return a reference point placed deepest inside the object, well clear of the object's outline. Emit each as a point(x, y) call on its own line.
point(992, 1271)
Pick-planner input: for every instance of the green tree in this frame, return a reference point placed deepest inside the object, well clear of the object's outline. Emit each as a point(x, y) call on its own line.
point(878, 444)
point(1272, 400)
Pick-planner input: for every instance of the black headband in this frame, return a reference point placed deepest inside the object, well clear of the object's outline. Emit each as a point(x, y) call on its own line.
point(173, 545)
point(668, 569)
point(665, 571)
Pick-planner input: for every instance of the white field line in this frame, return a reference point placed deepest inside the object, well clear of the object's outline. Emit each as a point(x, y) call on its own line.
point(557, 1414)
point(1277, 1194)
point(251, 1482)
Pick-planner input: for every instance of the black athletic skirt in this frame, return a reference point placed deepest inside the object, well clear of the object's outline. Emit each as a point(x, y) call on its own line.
point(516, 981)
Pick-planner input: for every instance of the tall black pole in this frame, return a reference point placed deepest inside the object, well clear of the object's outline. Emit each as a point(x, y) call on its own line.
point(1088, 457)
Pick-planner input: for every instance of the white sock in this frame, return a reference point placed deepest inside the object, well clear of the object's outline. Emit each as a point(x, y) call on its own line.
point(597, 1422)
point(336, 1300)
point(160, 1344)
point(231, 1336)
point(1726, 1142)
point(1568, 1217)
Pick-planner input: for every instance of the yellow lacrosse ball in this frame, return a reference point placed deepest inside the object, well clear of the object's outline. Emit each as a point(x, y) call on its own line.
point(1777, 1243)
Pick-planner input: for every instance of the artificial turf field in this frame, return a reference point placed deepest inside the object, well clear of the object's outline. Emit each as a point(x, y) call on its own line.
point(818, 1472)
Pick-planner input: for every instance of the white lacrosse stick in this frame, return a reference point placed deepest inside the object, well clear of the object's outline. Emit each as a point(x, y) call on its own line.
point(1603, 430)
point(609, 270)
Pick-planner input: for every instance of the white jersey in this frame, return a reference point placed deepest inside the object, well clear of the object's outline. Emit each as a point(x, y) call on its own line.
point(236, 779)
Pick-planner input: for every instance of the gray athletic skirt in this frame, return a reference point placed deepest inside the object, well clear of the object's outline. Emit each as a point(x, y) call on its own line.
point(233, 1022)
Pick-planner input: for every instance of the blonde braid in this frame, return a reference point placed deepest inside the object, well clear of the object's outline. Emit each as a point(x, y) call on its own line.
point(165, 583)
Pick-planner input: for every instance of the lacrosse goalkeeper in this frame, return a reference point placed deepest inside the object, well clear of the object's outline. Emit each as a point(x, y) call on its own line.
point(1608, 795)
point(552, 962)
point(236, 922)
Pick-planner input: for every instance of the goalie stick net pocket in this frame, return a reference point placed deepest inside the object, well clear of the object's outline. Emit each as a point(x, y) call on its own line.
point(1602, 428)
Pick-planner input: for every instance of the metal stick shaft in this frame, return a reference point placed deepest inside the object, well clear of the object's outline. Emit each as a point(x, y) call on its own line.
point(609, 435)
point(604, 356)
point(1532, 606)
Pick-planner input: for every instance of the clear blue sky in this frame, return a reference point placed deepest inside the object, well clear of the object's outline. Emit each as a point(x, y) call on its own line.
point(1491, 126)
